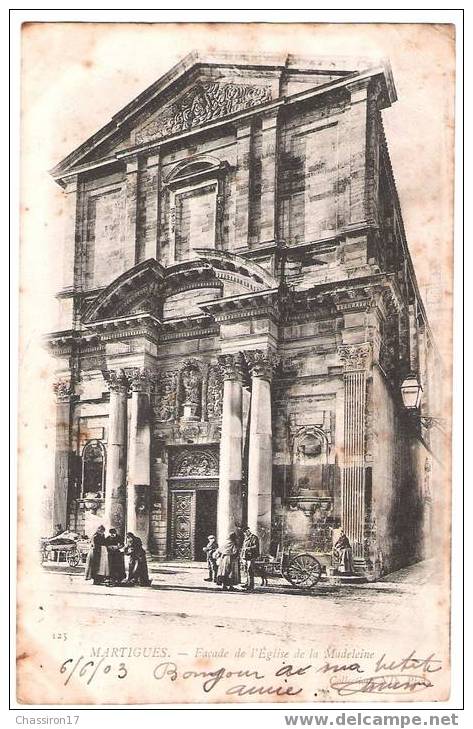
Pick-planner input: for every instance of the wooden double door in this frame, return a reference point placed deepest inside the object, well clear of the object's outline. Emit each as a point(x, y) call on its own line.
point(193, 516)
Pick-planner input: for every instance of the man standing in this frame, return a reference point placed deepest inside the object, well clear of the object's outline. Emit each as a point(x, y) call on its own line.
point(212, 565)
point(249, 553)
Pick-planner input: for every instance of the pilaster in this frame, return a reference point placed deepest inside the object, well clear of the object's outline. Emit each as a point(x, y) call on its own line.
point(356, 359)
point(243, 185)
point(269, 159)
point(131, 214)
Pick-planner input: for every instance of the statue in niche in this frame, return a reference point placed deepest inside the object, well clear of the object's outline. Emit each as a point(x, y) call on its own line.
point(309, 456)
point(192, 392)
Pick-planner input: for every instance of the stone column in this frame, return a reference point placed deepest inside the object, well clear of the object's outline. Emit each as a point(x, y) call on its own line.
point(260, 457)
point(115, 479)
point(229, 510)
point(269, 169)
point(139, 456)
point(64, 395)
point(355, 358)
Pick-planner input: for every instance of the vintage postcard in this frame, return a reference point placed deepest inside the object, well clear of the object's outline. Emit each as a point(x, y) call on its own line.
point(235, 363)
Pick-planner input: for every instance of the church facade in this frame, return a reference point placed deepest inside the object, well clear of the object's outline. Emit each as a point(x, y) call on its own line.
point(239, 310)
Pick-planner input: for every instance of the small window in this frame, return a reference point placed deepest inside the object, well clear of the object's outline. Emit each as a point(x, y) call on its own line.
point(93, 469)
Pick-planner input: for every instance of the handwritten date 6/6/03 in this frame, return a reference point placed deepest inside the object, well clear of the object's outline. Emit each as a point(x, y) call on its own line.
point(88, 669)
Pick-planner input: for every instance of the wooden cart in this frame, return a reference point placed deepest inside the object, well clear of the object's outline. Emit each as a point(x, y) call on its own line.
point(301, 569)
point(72, 551)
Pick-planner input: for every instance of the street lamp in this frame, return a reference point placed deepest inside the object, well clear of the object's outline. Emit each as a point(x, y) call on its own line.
point(411, 391)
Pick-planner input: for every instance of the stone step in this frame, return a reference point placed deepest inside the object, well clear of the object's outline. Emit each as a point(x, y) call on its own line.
point(347, 579)
point(156, 565)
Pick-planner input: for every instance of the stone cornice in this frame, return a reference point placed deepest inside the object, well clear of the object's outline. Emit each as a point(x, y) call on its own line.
point(244, 306)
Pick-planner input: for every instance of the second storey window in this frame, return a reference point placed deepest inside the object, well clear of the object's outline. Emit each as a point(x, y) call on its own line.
point(195, 205)
point(195, 219)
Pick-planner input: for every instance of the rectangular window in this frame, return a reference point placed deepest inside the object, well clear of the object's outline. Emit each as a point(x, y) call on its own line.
point(195, 212)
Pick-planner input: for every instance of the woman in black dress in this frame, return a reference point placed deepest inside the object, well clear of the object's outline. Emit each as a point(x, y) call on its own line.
point(138, 566)
point(115, 557)
point(97, 565)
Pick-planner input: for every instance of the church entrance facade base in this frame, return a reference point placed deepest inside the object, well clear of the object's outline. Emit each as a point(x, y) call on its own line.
point(193, 499)
point(193, 516)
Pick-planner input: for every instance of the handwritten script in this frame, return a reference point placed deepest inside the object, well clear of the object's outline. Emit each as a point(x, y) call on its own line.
point(384, 675)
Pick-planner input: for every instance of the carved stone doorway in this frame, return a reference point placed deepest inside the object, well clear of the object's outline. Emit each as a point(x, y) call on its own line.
point(193, 495)
point(193, 518)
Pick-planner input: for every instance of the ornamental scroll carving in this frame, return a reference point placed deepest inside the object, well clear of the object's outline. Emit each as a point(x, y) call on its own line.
point(165, 407)
point(116, 380)
point(203, 103)
point(141, 379)
point(231, 366)
point(194, 463)
point(262, 363)
point(355, 356)
point(214, 393)
point(64, 390)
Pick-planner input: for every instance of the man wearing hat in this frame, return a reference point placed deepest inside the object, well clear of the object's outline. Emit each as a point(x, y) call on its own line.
point(209, 550)
point(250, 551)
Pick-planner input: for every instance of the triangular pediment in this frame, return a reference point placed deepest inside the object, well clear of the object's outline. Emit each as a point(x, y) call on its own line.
point(207, 98)
point(199, 91)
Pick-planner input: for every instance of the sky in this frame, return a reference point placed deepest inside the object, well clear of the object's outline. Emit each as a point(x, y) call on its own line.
point(75, 76)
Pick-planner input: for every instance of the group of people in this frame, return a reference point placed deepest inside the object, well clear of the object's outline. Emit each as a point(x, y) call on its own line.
point(232, 564)
point(105, 563)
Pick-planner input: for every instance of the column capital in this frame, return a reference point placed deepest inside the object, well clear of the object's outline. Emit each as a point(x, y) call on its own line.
point(261, 363)
point(141, 379)
point(355, 356)
point(116, 380)
point(64, 391)
point(231, 366)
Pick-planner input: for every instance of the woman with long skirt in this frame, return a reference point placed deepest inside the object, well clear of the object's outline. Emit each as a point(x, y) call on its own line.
point(116, 558)
point(228, 574)
point(97, 566)
point(138, 566)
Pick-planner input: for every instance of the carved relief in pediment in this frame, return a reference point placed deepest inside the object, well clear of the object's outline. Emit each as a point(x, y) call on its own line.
point(205, 102)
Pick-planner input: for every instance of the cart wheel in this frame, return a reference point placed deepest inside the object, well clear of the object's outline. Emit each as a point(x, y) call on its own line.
point(304, 571)
point(73, 557)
